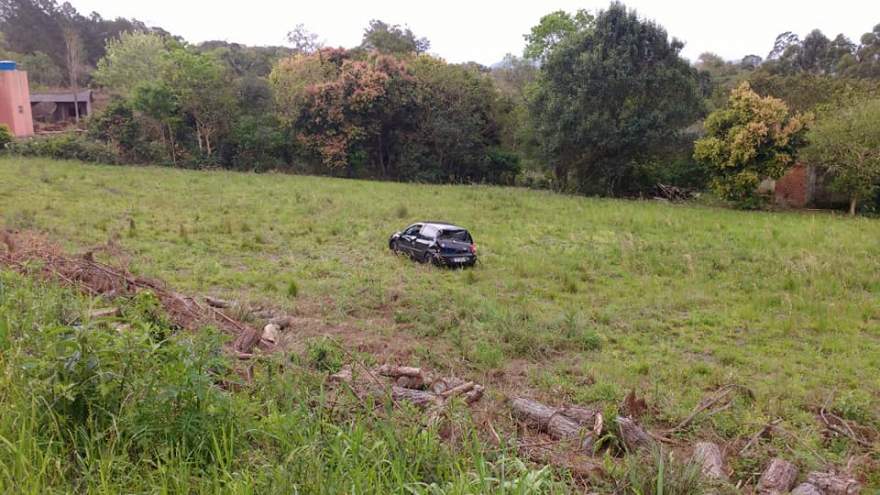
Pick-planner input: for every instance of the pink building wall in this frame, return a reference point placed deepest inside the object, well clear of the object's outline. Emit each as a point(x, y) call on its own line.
point(15, 103)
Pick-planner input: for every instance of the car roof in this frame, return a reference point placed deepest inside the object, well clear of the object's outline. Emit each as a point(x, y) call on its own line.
point(442, 225)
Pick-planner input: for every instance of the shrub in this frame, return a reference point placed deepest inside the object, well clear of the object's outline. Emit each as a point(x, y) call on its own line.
point(752, 139)
point(6, 136)
point(67, 147)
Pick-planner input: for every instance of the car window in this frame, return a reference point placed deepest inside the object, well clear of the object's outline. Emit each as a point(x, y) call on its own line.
point(456, 235)
point(413, 230)
point(429, 232)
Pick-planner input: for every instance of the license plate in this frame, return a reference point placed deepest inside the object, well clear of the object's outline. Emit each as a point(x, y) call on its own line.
point(459, 260)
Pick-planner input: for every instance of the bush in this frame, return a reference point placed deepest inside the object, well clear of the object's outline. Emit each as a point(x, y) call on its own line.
point(6, 136)
point(67, 147)
point(120, 128)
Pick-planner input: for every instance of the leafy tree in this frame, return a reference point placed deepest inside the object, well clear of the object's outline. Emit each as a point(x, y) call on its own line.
point(352, 121)
point(159, 103)
point(32, 26)
point(204, 93)
point(292, 78)
point(458, 124)
point(607, 95)
point(516, 79)
point(304, 41)
point(132, 59)
point(866, 62)
point(847, 143)
point(752, 139)
point(552, 29)
point(813, 92)
point(392, 39)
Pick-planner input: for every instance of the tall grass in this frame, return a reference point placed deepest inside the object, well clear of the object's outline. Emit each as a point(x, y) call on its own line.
point(93, 407)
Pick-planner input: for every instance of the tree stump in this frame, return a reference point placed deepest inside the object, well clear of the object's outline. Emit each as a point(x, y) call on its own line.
point(708, 456)
point(633, 436)
point(247, 339)
point(778, 478)
point(806, 489)
point(270, 333)
point(420, 398)
point(831, 484)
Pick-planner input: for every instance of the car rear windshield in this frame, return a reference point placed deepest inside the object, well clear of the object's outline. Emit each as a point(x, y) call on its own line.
point(456, 235)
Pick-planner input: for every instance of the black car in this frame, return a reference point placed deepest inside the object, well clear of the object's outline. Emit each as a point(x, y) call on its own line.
point(438, 242)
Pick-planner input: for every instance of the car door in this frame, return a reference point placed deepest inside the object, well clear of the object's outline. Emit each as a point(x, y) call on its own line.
point(423, 241)
point(408, 238)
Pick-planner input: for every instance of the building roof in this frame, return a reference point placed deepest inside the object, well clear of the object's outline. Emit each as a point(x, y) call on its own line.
point(85, 95)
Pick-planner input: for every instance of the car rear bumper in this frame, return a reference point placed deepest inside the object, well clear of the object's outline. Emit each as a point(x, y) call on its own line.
point(457, 259)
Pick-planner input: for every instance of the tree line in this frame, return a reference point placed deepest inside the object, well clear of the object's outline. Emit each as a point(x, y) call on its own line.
point(598, 103)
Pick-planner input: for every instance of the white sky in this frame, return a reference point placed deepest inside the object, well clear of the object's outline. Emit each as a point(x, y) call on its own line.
point(484, 30)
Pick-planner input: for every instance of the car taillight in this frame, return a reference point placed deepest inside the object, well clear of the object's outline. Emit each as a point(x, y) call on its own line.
point(473, 248)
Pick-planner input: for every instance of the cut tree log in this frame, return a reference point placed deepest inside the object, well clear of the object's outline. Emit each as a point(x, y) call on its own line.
point(708, 456)
point(547, 419)
point(217, 303)
point(405, 376)
point(283, 322)
point(474, 395)
point(419, 398)
point(832, 484)
point(104, 313)
point(633, 436)
point(270, 333)
point(778, 478)
point(247, 339)
point(806, 489)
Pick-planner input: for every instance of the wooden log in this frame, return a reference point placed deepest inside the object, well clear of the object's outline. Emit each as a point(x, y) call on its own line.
point(708, 456)
point(832, 484)
point(283, 322)
point(584, 416)
point(419, 398)
point(633, 436)
point(806, 489)
point(404, 376)
point(247, 339)
point(217, 303)
point(474, 395)
point(270, 333)
point(551, 420)
point(778, 478)
point(344, 375)
point(441, 385)
point(398, 371)
point(104, 313)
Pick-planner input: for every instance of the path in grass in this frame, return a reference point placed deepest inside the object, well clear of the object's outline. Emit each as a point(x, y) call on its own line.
point(590, 297)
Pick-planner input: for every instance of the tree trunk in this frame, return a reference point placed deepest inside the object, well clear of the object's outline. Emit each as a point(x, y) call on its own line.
point(247, 340)
point(853, 205)
point(553, 421)
point(831, 484)
point(76, 102)
point(633, 436)
point(171, 140)
point(778, 478)
point(708, 456)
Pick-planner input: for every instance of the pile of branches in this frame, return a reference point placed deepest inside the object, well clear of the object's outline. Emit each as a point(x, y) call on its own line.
point(672, 193)
point(31, 254)
point(416, 386)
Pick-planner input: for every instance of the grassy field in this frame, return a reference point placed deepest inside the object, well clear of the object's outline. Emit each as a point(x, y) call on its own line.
point(575, 299)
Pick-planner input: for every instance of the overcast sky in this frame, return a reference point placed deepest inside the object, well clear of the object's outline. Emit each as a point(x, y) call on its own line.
point(484, 30)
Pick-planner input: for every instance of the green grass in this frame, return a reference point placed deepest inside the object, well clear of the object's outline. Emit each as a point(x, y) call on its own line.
point(89, 409)
point(591, 297)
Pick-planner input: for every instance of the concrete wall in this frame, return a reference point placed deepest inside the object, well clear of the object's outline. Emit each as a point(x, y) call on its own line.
point(15, 103)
